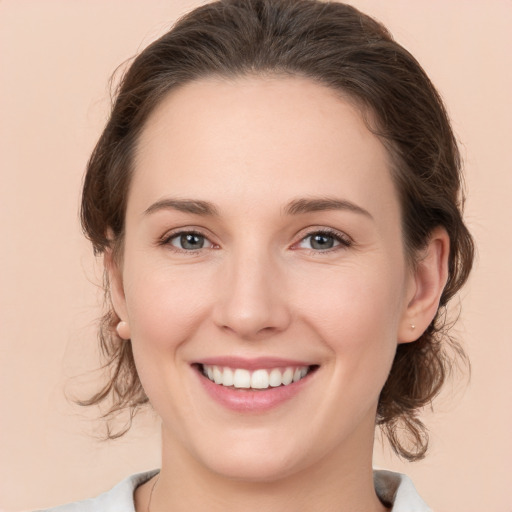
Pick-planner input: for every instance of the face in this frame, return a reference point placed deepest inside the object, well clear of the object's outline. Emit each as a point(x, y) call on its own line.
point(263, 277)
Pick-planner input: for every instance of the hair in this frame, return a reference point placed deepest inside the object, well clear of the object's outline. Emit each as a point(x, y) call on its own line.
point(338, 46)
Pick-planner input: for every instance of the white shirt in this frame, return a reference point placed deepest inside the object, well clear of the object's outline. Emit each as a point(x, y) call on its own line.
point(390, 487)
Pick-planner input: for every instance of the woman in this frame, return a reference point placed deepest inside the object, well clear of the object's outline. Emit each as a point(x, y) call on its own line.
point(277, 197)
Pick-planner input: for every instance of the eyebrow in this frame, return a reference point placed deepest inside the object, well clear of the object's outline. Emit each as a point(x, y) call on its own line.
point(194, 206)
point(295, 207)
point(307, 205)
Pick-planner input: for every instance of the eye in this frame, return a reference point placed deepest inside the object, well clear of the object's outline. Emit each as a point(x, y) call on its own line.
point(323, 241)
point(189, 241)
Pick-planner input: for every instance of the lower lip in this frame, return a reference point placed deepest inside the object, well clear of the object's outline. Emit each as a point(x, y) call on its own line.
point(248, 400)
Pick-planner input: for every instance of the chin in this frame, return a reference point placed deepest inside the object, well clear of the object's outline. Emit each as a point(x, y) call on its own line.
point(255, 468)
point(257, 456)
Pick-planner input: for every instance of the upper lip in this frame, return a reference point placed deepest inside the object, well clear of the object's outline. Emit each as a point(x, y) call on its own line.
point(252, 363)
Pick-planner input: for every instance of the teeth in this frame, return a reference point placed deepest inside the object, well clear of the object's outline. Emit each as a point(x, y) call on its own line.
point(275, 378)
point(217, 375)
point(242, 378)
point(258, 379)
point(227, 377)
point(287, 376)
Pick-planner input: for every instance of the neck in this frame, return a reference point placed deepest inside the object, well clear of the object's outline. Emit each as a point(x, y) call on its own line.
point(342, 481)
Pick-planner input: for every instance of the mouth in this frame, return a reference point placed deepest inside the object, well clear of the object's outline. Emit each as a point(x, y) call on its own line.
point(259, 379)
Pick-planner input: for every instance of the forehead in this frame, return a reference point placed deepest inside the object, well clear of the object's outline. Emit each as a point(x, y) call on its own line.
point(258, 138)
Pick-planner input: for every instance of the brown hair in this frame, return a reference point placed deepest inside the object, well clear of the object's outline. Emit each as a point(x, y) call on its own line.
point(338, 46)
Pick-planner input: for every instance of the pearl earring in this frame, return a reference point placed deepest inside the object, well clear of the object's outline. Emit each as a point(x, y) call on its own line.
point(413, 327)
point(123, 330)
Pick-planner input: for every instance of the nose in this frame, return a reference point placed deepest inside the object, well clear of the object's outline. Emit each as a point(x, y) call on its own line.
point(252, 302)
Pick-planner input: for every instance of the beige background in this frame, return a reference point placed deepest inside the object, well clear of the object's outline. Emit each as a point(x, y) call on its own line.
point(55, 60)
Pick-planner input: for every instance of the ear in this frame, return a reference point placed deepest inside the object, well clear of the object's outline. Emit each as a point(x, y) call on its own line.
point(426, 284)
point(115, 281)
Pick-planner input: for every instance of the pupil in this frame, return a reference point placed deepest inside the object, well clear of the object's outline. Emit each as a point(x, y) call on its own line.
point(322, 242)
point(191, 241)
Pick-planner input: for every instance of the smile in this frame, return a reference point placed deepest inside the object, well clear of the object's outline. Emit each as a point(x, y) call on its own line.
point(253, 385)
point(241, 378)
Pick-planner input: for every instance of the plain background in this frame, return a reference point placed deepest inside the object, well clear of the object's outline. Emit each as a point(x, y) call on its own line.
point(55, 61)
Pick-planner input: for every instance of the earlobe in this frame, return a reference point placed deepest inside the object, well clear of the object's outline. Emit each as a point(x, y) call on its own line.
point(116, 288)
point(123, 330)
point(428, 280)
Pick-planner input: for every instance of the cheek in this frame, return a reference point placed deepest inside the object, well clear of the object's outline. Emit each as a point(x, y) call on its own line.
point(355, 300)
point(165, 305)
point(356, 315)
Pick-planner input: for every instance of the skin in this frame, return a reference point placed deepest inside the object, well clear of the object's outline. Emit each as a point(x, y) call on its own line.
point(258, 287)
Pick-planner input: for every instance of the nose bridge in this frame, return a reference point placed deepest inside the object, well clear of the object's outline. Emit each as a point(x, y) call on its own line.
point(252, 299)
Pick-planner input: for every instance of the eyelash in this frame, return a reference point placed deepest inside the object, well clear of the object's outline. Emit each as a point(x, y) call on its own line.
point(168, 238)
point(343, 240)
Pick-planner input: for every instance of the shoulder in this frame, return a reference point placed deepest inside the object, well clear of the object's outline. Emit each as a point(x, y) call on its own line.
point(118, 499)
point(397, 490)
